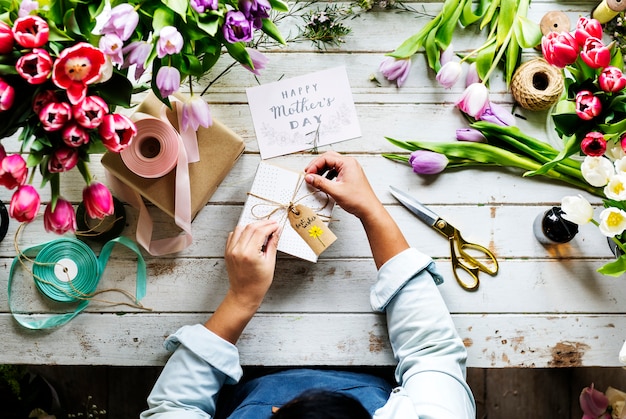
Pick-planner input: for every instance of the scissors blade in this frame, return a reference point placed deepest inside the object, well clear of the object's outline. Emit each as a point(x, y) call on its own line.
point(415, 206)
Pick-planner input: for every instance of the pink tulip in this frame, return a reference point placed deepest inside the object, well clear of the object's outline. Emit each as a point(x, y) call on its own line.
point(595, 54)
point(24, 204)
point(446, 55)
point(196, 113)
point(122, 21)
point(585, 28)
point(472, 75)
point(112, 46)
point(90, 112)
point(136, 53)
point(395, 69)
point(259, 61)
point(60, 220)
point(612, 79)
point(76, 67)
point(559, 48)
point(54, 115)
point(588, 106)
point(7, 95)
point(449, 74)
point(42, 98)
point(170, 42)
point(117, 131)
point(62, 160)
point(35, 67)
point(13, 170)
point(168, 80)
point(6, 38)
point(593, 402)
point(3, 153)
point(471, 135)
point(98, 200)
point(593, 144)
point(426, 162)
point(31, 31)
point(74, 135)
point(474, 100)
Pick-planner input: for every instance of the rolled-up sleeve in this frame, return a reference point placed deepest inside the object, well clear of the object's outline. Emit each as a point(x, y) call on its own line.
point(191, 380)
point(430, 354)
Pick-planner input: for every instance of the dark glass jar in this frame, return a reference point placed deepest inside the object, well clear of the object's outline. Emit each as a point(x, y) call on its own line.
point(551, 228)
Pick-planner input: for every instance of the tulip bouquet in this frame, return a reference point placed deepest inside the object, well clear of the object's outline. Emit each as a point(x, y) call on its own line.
point(65, 66)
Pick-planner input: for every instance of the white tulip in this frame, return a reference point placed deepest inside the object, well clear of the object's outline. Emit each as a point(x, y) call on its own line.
point(577, 209)
point(616, 188)
point(597, 171)
point(612, 222)
point(614, 150)
point(620, 164)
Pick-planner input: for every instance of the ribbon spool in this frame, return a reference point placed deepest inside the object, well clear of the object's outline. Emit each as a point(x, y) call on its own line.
point(537, 85)
point(102, 230)
point(154, 151)
point(4, 221)
point(608, 9)
point(67, 271)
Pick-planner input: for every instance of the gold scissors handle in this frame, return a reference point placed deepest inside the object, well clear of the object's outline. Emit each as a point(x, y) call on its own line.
point(469, 280)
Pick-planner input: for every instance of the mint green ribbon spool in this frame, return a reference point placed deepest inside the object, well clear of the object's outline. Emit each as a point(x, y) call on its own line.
point(66, 270)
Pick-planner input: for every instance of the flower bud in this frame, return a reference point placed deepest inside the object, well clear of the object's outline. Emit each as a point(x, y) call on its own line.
point(196, 113)
point(170, 41)
point(474, 100)
point(471, 135)
point(577, 209)
point(593, 144)
point(24, 204)
point(449, 74)
point(123, 20)
point(612, 79)
point(426, 162)
point(588, 106)
point(98, 200)
point(168, 80)
point(62, 219)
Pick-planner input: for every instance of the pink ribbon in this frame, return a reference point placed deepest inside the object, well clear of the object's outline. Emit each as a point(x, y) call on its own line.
point(158, 145)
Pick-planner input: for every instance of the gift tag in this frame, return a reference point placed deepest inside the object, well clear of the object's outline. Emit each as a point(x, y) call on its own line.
point(311, 228)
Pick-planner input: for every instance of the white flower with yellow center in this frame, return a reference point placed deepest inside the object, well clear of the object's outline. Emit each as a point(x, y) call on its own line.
point(616, 188)
point(577, 209)
point(597, 170)
point(612, 222)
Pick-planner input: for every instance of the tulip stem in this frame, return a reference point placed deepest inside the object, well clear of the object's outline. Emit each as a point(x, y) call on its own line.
point(84, 170)
point(500, 54)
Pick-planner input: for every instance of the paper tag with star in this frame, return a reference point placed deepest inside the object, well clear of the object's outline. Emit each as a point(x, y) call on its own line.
point(311, 228)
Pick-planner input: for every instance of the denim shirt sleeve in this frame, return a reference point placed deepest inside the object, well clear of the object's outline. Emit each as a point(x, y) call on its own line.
point(430, 354)
point(191, 380)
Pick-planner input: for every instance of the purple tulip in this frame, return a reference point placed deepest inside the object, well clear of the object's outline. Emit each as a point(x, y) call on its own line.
point(27, 6)
point(472, 75)
point(196, 113)
point(449, 74)
point(122, 21)
point(255, 11)
point(497, 114)
point(446, 55)
point(112, 45)
point(395, 69)
point(470, 135)
point(474, 100)
point(426, 162)
point(136, 53)
point(259, 61)
point(202, 6)
point(168, 80)
point(237, 28)
point(170, 42)
point(593, 402)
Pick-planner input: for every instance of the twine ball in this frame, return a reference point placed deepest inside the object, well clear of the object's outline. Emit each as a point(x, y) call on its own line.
point(537, 85)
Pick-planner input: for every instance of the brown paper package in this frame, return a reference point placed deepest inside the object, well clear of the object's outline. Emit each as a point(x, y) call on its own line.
point(219, 149)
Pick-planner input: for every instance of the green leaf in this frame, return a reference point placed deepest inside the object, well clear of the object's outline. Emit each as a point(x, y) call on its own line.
point(116, 91)
point(615, 268)
point(468, 16)
point(489, 14)
point(193, 64)
point(163, 17)
point(570, 147)
point(210, 26)
point(484, 59)
point(178, 6)
point(527, 32)
point(512, 58)
point(272, 30)
point(506, 17)
point(239, 53)
point(279, 5)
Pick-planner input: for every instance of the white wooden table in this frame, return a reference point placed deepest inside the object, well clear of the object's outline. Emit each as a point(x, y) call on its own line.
point(546, 307)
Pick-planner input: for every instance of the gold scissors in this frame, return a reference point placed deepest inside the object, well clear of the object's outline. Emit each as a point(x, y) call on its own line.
point(464, 265)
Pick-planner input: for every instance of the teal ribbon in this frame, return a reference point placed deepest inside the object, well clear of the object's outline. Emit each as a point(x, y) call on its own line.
point(73, 283)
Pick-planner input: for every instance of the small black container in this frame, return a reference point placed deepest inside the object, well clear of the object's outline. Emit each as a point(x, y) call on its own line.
point(551, 228)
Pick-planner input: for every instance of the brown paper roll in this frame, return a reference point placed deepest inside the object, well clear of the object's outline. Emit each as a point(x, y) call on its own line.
point(537, 85)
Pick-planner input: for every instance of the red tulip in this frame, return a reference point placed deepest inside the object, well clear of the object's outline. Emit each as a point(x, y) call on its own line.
point(31, 31)
point(595, 54)
point(612, 79)
point(76, 67)
point(6, 38)
point(54, 115)
point(586, 28)
point(98, 200)
point(24, 204)
point(117, 131)
point(559, 48)
point(13, 170)
point(62, 219)
point(62, 160)
point(35, 67)
point(7, 95)
point(90, 111)
point(588, 106)
point(593, 144)
point(3, 153)
point(74, 135)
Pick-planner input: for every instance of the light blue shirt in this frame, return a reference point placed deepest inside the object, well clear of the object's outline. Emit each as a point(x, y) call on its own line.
point(430, 354)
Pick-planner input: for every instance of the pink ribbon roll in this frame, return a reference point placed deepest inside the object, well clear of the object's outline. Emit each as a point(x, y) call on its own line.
point(154, 151)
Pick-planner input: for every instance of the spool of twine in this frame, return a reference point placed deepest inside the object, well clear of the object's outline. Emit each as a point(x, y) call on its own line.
point(537, 85)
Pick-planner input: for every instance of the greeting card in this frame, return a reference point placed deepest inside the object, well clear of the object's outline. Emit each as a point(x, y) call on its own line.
point(303, 112)
point(303, 212)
